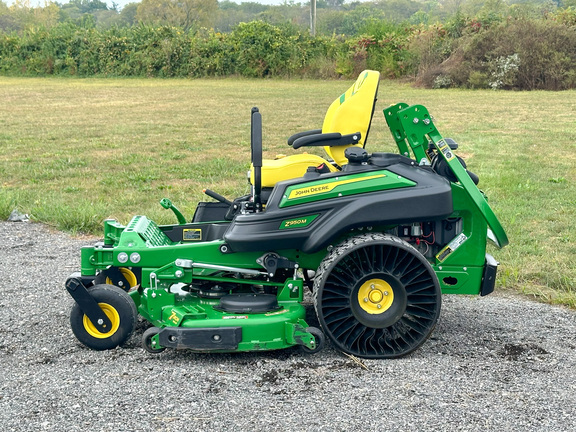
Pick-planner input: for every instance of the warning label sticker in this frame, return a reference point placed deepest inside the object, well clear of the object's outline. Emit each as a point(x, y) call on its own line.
point(446, 151)
point(192, 234)
point(451, 247)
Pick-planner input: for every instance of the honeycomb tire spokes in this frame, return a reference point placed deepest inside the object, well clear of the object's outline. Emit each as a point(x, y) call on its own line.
point(377, 297)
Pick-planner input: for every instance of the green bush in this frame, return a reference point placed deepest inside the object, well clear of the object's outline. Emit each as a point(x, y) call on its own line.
point(485, 52)
point(525, 54)
point(428, 47)
point(211, 54)
point(262, 50)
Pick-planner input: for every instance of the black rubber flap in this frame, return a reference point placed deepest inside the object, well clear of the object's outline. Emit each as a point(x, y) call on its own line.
point(204, 339)
point(248, 303)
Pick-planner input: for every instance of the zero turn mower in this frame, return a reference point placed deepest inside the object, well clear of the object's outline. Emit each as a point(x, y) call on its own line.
point(377, 237)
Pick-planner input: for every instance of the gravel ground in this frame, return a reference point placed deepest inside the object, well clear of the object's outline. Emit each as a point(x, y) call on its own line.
point(493, 363)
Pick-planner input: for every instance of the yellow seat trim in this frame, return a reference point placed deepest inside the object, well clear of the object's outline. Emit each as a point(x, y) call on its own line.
point(288, 167)
point(352, 112)
point(348, 114)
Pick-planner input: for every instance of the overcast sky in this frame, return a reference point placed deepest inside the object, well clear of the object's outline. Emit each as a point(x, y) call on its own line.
point(125, 2)
point(122, 3)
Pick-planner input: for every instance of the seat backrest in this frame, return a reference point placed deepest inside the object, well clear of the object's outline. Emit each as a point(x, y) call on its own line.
point(352, 112)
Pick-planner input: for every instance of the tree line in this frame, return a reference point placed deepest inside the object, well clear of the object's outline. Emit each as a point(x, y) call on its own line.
point(446, 43)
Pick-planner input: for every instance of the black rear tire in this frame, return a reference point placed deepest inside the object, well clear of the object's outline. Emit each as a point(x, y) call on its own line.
point(376, 296)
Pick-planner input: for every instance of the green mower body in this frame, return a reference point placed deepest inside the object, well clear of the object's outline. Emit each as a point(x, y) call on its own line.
point(377, 242)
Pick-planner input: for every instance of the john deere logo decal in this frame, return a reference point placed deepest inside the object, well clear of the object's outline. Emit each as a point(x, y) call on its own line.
point(298, 222)
point(310, 190)
point(340, 186)
point(323, 188)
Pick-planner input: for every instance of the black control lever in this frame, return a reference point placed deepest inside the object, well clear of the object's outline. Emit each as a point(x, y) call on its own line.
point(217, 196)
point(256, 146)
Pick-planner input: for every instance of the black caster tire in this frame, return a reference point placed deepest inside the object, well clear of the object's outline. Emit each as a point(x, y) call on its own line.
point(118, 307)
point(376, 296)
point(131, 276)
point(147, 343)
point(320, 340)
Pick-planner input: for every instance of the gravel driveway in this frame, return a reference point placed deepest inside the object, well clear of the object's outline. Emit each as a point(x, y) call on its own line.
point(493, 363)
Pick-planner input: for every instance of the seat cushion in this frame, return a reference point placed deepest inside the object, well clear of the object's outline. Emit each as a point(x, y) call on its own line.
point(289, 167)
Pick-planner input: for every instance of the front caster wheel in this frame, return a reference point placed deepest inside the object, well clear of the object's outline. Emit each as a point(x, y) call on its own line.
point(118, 307)
point(376, 296)
point(319, 339)
point(149, 344)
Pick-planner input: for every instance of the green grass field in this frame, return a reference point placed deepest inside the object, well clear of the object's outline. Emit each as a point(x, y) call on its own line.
point(74, 152)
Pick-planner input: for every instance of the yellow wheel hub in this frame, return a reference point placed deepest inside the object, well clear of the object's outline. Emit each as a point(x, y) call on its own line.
point(130, 277)
point(375, 296)
point(112, 315)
